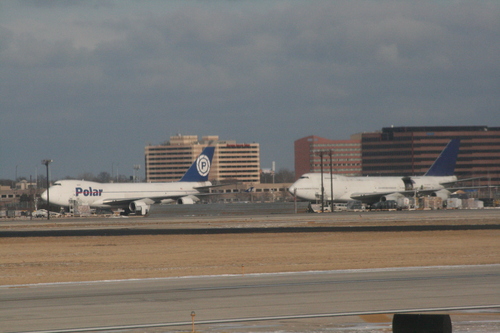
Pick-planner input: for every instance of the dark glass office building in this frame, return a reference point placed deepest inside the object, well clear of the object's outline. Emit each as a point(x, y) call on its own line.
point(411, 151)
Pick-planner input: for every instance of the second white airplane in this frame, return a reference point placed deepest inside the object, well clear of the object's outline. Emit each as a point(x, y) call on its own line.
point(135, 198)
point(370, 190)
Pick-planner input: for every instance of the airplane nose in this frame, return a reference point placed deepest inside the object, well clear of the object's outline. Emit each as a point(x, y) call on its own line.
point(43, 196)
point(292, 189)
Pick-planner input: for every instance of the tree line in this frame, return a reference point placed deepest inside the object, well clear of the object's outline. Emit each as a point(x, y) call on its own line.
point(281, 176)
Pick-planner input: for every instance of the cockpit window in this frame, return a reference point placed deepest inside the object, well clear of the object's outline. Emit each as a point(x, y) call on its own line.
point(304, 177)
point(56, 184)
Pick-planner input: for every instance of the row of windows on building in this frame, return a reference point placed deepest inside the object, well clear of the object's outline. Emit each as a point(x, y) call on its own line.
point(414, 138)
point(170, 160)
point(336, 145)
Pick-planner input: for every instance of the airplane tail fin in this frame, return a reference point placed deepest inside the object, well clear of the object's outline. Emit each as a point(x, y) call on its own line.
point(444, 165)
point(198, 172)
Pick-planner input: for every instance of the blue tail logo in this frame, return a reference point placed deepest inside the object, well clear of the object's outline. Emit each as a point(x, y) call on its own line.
point(444, 165)
point(199, 170)
point(203, 165)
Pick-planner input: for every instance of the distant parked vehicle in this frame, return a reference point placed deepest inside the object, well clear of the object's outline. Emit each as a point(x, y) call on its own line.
point(43, 213)
point(40, 213)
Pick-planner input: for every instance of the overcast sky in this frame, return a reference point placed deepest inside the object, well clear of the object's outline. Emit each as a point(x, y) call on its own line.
point(90, 83)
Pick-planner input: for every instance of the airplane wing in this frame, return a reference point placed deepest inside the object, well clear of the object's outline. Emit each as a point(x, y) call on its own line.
point(369, 197)
point(204, 188)
point(123, 202)
point(460, 180)
point(142, 205)
point(465, 188)
point(377, 196)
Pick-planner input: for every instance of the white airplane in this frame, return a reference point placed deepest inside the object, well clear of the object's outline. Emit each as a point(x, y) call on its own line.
point(135, 197)
point(370, 190)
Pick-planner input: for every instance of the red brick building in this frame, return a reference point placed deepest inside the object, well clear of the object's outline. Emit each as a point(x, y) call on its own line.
point(345, 155)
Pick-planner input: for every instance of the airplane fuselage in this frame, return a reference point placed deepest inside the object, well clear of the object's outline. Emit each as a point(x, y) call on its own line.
point(106, 195)
point(308, 187)
point(369, 190)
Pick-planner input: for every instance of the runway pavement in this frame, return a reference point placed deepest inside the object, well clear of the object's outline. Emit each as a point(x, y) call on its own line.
point(217, 299)
point(170, 301)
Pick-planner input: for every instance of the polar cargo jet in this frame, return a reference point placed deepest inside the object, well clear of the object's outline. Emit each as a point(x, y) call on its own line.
point(135, 197)
point(370, 190)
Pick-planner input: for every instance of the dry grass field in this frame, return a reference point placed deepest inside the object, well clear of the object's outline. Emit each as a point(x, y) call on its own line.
point(61, 259)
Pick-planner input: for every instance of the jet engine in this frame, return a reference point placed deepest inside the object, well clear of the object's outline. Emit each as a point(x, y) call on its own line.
point(139, 207)
point(443, 194)
point(394, 197)
point(395, 200)
point(189, 200)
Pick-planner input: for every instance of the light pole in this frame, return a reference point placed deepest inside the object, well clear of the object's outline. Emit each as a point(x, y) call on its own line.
point(322, 187)
point(331, 181)
point(136, 167)
point(46, 163)
point(273, 170)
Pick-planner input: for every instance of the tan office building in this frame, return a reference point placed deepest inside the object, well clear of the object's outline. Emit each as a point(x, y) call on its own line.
point(231, 162)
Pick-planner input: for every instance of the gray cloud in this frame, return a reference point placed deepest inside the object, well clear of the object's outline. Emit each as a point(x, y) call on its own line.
point(90, 86)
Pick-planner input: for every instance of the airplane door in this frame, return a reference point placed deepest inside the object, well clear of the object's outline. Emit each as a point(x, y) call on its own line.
point(408, 183)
